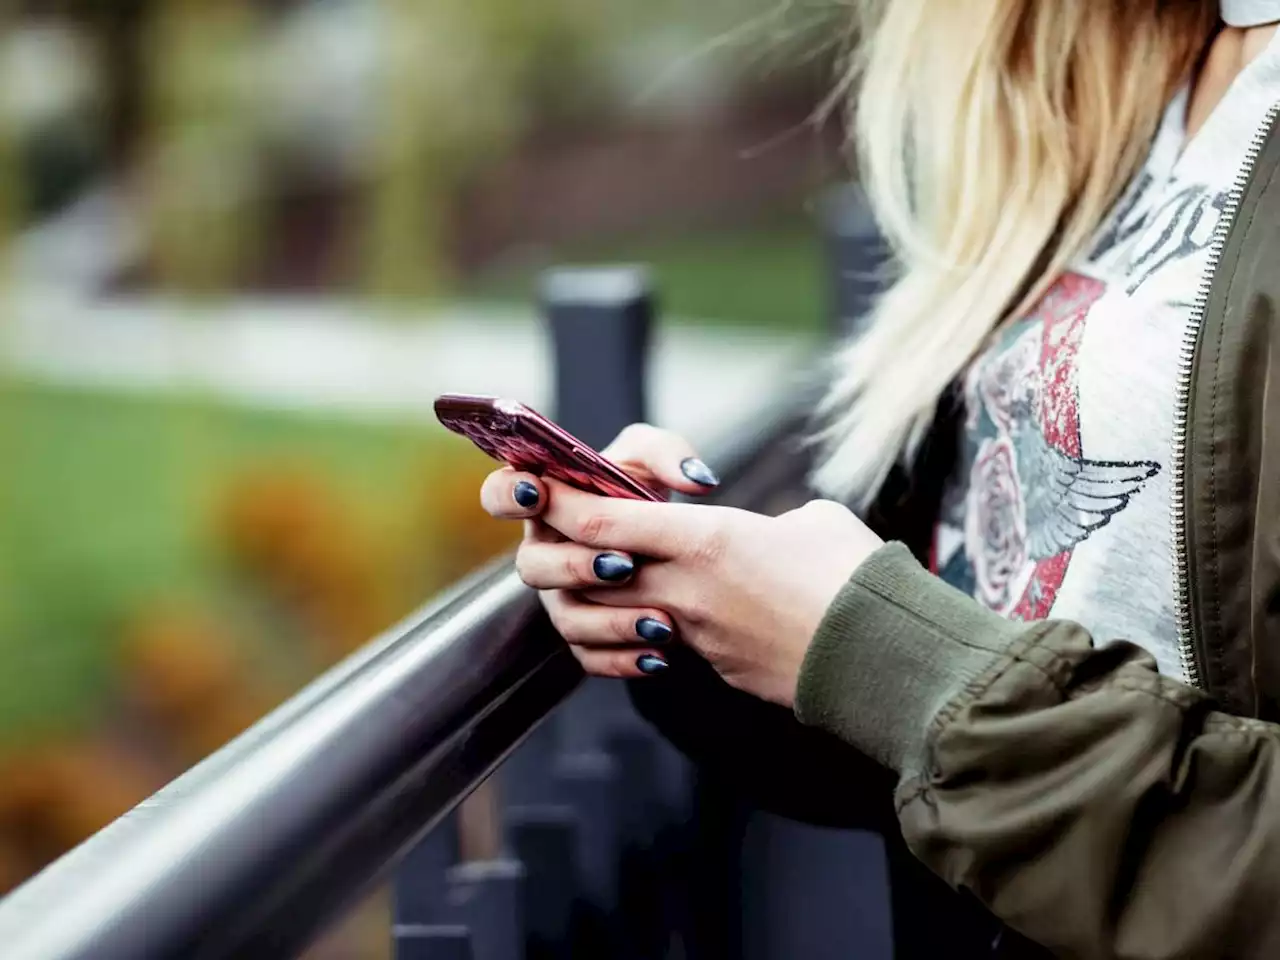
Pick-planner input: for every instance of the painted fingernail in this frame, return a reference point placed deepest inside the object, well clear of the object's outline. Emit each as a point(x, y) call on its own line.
point(526, 494)
point(649, 664)
point(699, 472)
point(652, 631)
point(610, 567)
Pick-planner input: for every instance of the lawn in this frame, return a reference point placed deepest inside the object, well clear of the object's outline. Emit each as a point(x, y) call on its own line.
point(108, 503)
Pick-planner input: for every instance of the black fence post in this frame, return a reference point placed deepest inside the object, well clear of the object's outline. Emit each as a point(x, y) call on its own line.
point(601, 321)
point(546, 839)
point(576, 828)
point(420, 884)
point(488, 898)
point(601, 325)
point(424, 942)
point(808, 891)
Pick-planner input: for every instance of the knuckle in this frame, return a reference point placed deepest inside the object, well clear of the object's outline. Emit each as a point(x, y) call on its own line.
point(567, 625)
point(624, 626)
point(615, 666)
point(594, 529)
point(496, 497)
point(635, 431)
point(524, 569)
point(822, 511)
point(593, 662)
point(691, 607)
point(707, 547)
point(576, 569)
point(571, 631)
point(633, 441)
point(489, 498)
point(551, 602)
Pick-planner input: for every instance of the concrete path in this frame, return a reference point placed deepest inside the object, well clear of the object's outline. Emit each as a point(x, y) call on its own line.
point(323, 353)
point(328, 355)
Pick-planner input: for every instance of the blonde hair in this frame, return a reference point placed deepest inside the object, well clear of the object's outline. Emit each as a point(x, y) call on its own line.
point(992, 138)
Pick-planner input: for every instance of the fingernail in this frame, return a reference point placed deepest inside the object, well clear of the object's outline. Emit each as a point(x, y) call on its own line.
point(699, 472)
point(611, 567)
point(652, 631)
point(649, 664)
point(526, 494)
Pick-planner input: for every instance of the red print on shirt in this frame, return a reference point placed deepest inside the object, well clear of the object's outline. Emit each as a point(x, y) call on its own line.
point(1031, 495)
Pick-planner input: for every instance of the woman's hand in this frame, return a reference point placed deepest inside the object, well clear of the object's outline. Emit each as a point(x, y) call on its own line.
point(745, 591)
point(664, 462)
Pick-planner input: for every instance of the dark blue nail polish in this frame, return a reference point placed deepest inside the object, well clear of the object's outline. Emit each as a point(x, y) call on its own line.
point(610, 567)
point(652, 631)
point(526, 494)
point(649, 664)
point(699, 472)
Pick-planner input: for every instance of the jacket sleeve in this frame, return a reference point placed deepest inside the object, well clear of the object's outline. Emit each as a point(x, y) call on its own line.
point(1095, 806)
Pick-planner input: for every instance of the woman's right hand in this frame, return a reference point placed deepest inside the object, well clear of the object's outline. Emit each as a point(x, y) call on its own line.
point(608, 641)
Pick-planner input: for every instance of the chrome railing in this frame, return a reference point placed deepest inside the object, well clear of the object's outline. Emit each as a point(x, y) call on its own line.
point(266, 842)
point(257, 849)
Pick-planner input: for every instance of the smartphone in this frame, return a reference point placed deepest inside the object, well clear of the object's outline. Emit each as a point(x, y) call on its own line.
point(517, 435)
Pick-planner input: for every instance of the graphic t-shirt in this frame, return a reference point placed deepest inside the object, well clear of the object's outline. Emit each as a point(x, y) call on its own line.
point(1060, 504)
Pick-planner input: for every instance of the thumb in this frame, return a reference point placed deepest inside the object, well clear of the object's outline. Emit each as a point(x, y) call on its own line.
point(666, 456)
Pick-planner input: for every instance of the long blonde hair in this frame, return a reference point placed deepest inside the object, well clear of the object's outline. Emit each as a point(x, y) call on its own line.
point(992, 138)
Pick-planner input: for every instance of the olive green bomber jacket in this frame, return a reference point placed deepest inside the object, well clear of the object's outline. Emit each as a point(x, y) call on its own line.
point(1095, 806)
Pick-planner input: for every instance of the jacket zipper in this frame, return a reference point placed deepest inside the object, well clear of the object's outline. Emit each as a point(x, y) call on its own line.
point(1186, 366)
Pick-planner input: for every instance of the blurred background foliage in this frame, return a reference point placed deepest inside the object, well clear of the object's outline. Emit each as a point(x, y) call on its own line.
point(179, 555)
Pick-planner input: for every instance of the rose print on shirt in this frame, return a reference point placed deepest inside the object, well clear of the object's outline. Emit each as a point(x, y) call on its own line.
point(997, 519)
point(1031, 494)
point(1007, 393)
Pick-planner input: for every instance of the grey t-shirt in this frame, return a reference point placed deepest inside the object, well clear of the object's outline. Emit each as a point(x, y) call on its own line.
point(1060, 504)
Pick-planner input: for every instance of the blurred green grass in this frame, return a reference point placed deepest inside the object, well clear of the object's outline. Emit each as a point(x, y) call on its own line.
point(107, 499)
point(108, 503)
point(769, 274)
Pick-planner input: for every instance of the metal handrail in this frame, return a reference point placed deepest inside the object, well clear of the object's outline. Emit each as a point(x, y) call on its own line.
point(259, 847)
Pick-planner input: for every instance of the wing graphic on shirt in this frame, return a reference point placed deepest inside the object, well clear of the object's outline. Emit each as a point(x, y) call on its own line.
point(1067, 498)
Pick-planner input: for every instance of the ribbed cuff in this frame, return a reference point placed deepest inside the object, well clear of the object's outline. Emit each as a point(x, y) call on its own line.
point(895, 647)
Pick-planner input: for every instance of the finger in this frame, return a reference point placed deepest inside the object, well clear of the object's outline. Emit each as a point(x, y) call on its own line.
point(667, 457)
point(620, 665)
point(571, 566)
point(535, 531)
point(655, 584)
point(642, 528)
point(585, 624)
point(638, 592)
point(511, 495)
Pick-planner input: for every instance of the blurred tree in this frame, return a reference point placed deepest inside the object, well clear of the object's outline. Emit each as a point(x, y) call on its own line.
point(449, 96)
point(10, 179)
point(191, 681)
point(49, 73)
point(300, 541)
point(59, 792)
point(202, 173)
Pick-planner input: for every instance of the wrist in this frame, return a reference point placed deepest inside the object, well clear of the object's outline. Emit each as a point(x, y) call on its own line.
point(851, 551)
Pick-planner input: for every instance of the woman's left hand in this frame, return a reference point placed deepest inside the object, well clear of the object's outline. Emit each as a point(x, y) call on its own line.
point(745, 591)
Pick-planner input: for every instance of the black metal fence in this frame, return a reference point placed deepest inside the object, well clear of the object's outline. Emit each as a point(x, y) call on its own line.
point(607, 844)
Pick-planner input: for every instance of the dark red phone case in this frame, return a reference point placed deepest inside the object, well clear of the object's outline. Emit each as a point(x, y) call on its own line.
point(514, 434)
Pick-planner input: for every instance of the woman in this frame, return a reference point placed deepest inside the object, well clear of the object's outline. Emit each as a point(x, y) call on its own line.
point(1078, 688)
